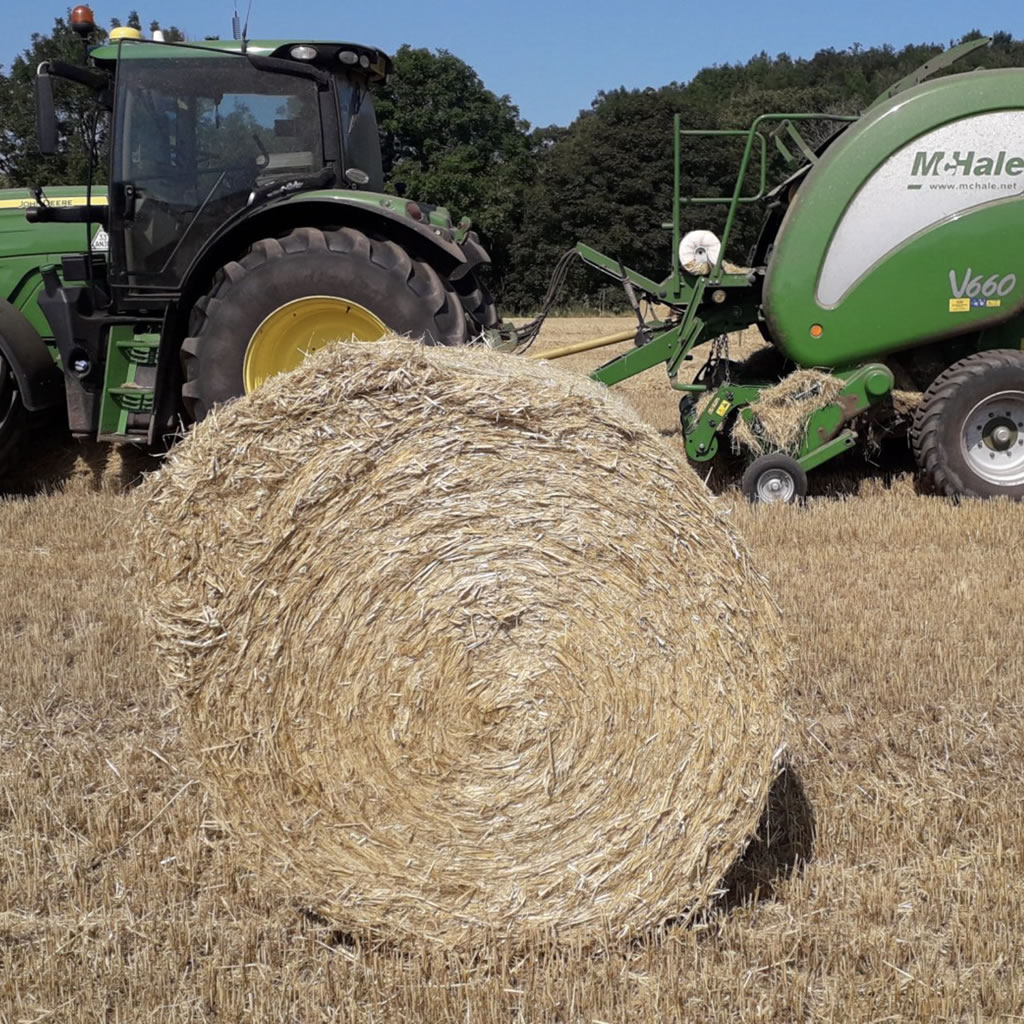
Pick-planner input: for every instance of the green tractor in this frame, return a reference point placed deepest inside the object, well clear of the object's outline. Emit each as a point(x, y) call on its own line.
point(887, 259)
point(244, 225)
point(30, 379)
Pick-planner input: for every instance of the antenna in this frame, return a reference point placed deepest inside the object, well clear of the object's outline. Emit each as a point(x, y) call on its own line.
point(235, 30)
point(245, 27)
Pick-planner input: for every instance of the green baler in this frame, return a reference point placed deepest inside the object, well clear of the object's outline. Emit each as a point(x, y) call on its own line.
point(890, 254)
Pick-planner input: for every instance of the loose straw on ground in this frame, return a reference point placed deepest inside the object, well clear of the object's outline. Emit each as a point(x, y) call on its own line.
point(463, 647)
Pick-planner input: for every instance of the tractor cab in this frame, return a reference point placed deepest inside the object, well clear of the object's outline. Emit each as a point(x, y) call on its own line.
point(201, 134)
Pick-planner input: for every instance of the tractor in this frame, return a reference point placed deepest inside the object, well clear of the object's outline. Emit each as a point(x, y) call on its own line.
point(887, 261)
point(244, 224)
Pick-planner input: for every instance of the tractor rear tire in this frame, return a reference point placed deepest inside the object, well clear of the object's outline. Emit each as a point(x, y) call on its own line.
point(404, 293)
point(968, 432)
point(477, 302)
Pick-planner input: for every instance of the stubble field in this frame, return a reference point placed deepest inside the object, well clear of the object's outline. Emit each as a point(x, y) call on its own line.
point(887, 884)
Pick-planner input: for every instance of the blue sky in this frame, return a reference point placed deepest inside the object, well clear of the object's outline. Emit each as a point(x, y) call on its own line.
point(553, 57)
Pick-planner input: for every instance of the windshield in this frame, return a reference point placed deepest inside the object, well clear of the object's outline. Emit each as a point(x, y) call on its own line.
point(360, 139)
point(197, 137)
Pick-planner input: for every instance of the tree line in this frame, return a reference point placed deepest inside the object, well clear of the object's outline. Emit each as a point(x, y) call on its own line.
point(532, 192)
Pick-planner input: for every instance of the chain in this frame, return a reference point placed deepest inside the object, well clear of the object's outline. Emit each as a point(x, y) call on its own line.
point(719, 352)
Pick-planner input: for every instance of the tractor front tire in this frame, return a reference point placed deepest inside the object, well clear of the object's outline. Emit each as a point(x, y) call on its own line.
point(13, 419)
point(375, 277)
point(968, 432)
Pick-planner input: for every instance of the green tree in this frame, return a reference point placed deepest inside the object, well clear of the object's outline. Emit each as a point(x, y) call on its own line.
point(80, 127)
point(453, 141)
point(607, 180)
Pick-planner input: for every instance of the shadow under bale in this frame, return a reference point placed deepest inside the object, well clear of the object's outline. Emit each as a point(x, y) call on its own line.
point(784, 842)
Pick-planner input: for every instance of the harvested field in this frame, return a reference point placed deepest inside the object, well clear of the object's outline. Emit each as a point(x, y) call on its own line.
point(122, 899)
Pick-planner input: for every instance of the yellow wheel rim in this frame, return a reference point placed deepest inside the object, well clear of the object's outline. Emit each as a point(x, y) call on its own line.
point(302, 326)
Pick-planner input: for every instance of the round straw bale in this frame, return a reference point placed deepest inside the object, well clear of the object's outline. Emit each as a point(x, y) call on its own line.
point(465, 647)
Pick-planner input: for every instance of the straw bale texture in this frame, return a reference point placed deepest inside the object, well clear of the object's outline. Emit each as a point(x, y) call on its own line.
point(464, 647)
point(782, 411)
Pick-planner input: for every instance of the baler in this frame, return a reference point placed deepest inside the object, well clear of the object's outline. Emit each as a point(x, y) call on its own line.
point(889, 256)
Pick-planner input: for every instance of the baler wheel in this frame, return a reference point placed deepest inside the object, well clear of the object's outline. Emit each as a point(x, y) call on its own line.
point(968, 432)
point(775, 479)
point(289, 296)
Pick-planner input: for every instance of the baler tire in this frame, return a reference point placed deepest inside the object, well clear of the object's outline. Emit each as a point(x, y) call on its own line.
point(401, 291)
point(775, 465)
point(941, 423)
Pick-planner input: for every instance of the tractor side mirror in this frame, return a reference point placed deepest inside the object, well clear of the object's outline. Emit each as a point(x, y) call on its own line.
point(46, 114)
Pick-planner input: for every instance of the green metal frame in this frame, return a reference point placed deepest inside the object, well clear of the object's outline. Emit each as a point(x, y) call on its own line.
point(695, 321)
point(737, 199)
point(823, 434)
point(123, 393)
point(937, 63)
point(704, 306)
point(732, 305)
